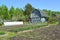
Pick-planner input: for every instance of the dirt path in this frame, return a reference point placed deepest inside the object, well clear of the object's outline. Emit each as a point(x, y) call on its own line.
point(3, 35)
point(25, 31)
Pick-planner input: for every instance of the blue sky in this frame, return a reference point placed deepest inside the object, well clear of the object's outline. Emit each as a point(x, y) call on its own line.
point(41, 4)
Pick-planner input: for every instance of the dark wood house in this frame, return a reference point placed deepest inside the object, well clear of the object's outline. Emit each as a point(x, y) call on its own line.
point(38, 16)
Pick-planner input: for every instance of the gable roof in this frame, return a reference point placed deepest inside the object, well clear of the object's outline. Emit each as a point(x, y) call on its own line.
point(43, 14)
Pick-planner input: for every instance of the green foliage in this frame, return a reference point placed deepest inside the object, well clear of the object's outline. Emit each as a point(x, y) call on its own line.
point(12, 12)
point(10, 34)
point(1, 32)
point(49, 12)
point(28, 10)
point(52, 15)
point(4, 12)
point(21, 14)
point(1, 24)
point(52, 20)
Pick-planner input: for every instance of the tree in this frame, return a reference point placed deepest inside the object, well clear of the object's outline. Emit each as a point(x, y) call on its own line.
point(19, 14)
point(12, 12)
point(4, 12)
point(28, 10)
point(0, 12)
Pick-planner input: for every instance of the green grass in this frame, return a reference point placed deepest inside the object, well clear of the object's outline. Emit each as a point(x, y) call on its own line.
point(10, 34)
point(1, 32)
point(29, 27)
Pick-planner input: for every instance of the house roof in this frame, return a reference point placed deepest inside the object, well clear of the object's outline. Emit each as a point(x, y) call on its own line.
point(43, 14)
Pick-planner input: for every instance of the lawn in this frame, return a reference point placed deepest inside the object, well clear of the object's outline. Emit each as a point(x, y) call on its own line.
point(47, 33)
point(7, 36)
point(37, 32)
point(13, 31)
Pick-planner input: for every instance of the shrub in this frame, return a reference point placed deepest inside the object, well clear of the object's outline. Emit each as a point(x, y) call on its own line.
point(1, 32)
point(52, 20)
point(1, 24)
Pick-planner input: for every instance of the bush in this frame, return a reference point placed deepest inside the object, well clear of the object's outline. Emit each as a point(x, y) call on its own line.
point(1, 32)
point(52, 20)
point(1, 24)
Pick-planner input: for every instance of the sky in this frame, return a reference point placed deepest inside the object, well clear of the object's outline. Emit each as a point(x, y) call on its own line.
point(38, 4)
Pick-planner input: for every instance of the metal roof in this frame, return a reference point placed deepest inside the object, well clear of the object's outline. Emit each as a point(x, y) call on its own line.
point(43, 14)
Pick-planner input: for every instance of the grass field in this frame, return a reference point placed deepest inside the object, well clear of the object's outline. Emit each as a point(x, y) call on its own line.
point(39, 32)
point(47, 33)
